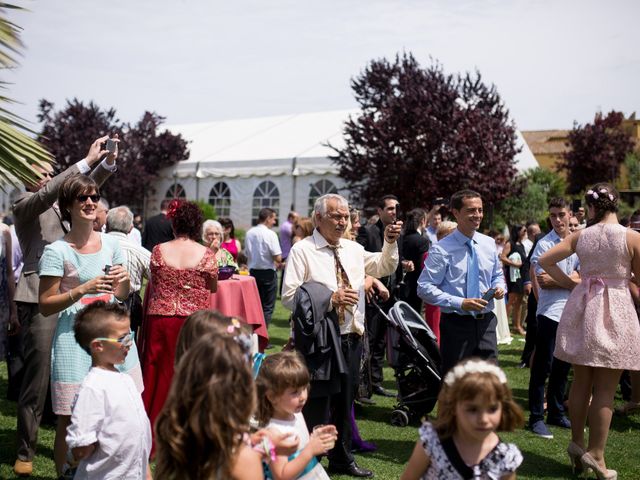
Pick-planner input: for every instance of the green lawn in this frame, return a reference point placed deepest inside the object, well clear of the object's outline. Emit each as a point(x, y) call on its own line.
point(542, 458)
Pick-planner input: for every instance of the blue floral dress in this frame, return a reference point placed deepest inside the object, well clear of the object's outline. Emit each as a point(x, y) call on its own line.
point(69, 362)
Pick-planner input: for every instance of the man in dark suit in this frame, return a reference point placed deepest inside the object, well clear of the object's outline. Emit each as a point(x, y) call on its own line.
point(158, 229)
point(371, 237)
point(38, 223)
point(414, 247)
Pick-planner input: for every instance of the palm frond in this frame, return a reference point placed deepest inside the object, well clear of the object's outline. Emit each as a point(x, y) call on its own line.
point(19, 152)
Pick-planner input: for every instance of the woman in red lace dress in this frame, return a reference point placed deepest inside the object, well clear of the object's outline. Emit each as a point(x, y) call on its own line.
point(183, 275)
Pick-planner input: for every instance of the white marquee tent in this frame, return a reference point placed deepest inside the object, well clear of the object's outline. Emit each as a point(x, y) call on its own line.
point(282, 162)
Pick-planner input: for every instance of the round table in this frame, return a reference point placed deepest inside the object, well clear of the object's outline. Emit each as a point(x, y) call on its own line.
point(238, 297)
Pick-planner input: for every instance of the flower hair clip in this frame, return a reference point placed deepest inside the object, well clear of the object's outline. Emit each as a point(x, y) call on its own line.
point(244, 340)
point(173, 208)
point(593, 194)
point(474, 366)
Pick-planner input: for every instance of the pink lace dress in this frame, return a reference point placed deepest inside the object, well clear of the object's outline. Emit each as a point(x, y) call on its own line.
point(599, 325)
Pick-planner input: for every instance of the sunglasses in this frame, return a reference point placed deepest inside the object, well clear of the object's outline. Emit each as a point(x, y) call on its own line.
point(95, 198)
point(125, 340)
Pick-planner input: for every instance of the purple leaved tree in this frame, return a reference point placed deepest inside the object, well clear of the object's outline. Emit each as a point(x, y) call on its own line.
point(423, 134)
point(144, 148)
point(596, 151)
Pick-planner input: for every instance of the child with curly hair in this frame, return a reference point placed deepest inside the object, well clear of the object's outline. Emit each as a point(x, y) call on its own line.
point(474, 403)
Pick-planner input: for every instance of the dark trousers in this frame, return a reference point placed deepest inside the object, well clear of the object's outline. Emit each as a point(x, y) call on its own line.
point(464, 336)
point(532, 329)
point(546, 365)
point(377, 333)
point(336, 408)
point(267, 281)
point(38, 337)
point(625, 385)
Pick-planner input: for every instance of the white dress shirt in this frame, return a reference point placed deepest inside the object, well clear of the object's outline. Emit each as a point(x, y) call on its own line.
point(135, 236)
point(109, 410)
point(312, 260)
point(261, 244)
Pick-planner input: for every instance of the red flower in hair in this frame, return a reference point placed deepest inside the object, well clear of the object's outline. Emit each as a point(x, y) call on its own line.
point(173, 207)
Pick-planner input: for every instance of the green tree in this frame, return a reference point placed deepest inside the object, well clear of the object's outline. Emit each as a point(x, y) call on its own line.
point(532, 191)
point(19, 152)
point(632, 162)
point(207, 210)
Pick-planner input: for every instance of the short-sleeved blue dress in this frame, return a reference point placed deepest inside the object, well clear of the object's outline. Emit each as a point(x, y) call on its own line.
point(69, 362)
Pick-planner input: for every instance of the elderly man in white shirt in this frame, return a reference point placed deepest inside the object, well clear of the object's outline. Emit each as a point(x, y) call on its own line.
point(137, 259)
point(313, 259)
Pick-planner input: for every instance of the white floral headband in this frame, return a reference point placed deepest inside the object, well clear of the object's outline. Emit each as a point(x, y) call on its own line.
point(474, 366)
point(603, 191)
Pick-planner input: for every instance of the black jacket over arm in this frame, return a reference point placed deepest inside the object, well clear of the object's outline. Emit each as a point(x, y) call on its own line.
point(317, 337)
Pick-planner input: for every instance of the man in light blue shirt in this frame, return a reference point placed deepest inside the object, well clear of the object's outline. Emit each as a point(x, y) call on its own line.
point(459, 270)
point(551, 301)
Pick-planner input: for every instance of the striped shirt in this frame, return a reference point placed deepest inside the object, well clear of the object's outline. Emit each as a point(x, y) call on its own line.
point(137, 260)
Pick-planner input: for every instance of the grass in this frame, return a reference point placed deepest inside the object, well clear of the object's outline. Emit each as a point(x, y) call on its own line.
point(542, 458)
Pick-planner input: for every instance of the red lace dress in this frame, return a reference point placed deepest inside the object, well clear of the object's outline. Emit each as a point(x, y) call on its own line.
point(174, 294)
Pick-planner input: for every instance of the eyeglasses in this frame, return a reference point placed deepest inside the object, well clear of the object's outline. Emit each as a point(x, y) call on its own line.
point(95, 198)
point(336, 217)
point(125, 340)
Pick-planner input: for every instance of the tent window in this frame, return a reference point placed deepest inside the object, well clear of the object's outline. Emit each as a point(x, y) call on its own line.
point(176, 191)
point(220, 198)
point(266, 195)
point(321, 187)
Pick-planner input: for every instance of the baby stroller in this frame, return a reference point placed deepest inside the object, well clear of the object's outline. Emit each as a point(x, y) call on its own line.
point(412, 352)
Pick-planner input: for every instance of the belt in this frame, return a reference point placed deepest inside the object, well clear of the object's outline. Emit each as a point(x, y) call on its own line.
point(349, 337)
point(478, 316)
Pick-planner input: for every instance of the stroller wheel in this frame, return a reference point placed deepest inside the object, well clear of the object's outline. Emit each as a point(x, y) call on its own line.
point(399, 418)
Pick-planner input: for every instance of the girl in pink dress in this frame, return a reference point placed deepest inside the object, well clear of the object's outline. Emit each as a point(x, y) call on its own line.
point(599, 331)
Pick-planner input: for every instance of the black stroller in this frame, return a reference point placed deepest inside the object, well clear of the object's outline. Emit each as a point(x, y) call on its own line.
point(412, 352)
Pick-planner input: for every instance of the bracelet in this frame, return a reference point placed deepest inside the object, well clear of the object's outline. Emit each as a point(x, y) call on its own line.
point(71, 296)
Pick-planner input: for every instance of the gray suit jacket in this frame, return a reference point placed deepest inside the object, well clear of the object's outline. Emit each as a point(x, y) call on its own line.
point(38, 224)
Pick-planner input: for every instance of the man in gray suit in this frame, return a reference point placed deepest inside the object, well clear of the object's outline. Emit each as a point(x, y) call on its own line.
point(38, 223)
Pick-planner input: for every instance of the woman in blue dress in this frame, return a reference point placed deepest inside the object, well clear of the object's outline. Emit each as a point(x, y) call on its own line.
point(72, 275)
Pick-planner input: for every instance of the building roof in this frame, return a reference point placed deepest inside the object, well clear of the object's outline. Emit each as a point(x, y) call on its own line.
point(268, 146)
point(550, 142)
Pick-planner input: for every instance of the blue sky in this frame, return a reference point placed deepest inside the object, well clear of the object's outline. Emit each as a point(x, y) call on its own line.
point(553, 62)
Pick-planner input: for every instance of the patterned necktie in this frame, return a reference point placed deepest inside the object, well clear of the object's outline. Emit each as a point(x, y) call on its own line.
point(342, 278)
point(473, 272)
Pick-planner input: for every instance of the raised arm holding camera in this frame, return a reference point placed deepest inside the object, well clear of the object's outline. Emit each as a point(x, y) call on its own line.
point(38, 223)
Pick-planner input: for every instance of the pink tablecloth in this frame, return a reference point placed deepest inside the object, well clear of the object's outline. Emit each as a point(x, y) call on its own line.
point(238, 297)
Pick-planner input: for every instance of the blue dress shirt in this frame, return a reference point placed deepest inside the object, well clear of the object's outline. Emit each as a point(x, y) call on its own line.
point(444, 277)
point(551, 301)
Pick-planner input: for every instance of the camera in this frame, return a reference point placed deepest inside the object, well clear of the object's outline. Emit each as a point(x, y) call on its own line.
point(111, 145)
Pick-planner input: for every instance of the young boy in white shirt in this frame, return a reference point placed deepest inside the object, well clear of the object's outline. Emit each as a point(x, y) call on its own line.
point(109, 434)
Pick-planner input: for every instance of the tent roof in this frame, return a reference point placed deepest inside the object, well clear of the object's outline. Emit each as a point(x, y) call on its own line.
point(231, 148)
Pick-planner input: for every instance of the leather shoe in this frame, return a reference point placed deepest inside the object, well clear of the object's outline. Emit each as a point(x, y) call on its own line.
point(378, 390)
point(352, 469)
point(22, 468)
